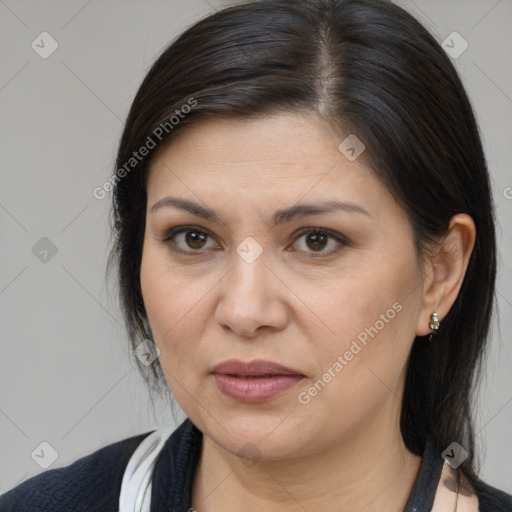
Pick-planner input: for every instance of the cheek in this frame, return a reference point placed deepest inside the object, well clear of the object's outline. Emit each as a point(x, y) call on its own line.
point(175, 303)
point(165, 300)
point(359, 367)
point(368, 304)
point(165, 305)
point(371, 318)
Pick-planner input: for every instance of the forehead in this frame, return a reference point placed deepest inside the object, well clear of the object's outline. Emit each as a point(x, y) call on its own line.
point(284, 157)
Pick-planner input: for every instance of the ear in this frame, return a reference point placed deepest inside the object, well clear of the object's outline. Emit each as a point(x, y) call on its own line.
point(445, 270)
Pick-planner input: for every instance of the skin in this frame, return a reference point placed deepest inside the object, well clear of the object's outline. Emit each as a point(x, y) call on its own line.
point(293, 305)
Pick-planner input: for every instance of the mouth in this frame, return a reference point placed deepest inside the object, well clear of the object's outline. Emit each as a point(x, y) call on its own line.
point(251, 376)
point(254, 381)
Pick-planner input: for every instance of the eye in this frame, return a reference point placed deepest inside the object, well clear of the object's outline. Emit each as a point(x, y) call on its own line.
point(192, 240)
point(317, 239)
point(187, 239)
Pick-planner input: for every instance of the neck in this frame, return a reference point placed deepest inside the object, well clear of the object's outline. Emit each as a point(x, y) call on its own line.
point(369, 470)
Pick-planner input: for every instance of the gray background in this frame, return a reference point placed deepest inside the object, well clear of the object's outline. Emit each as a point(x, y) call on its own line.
point(66, 377)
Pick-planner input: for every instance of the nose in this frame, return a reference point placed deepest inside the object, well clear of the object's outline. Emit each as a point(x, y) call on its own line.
point(252, 300)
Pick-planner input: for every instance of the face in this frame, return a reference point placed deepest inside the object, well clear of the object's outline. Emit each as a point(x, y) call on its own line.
point(278, 325)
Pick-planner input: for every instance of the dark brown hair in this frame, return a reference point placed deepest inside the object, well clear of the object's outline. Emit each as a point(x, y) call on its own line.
point(368, 67)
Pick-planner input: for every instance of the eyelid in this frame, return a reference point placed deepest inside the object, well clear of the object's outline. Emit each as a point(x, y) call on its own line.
point(326, 231)
point(183, 228)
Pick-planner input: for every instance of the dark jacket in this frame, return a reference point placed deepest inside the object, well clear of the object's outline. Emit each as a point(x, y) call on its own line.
point(93, 483)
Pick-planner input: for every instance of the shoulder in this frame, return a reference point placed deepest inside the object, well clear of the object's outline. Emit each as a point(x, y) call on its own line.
point(90, 483)
point(456, 491)
point(491, 499)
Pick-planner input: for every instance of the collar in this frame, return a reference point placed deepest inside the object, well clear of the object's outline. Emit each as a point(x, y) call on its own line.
point(437, 488)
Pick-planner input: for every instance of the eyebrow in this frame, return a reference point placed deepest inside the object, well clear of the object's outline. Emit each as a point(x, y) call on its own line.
point(280, 216)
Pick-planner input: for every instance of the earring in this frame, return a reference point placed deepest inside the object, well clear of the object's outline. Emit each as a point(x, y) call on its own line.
point(434, 324)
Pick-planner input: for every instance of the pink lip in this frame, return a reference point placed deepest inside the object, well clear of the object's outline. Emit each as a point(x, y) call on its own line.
point(255, 381)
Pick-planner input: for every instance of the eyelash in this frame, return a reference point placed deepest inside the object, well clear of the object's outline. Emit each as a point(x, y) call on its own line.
point(167, 239)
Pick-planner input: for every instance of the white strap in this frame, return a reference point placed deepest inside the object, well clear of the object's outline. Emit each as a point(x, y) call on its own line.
point(135, 493)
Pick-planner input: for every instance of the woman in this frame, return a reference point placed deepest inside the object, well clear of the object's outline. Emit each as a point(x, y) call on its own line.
point(305, 239)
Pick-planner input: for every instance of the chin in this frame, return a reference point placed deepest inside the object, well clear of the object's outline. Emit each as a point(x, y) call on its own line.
point(260, 435)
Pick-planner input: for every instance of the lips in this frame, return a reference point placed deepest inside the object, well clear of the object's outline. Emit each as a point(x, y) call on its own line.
point(254, 381)
point(256, 368)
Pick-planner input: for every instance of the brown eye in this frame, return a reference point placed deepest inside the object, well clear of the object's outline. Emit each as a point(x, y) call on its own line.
point(188, 240)
point(195, 239)
point(315, 240)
